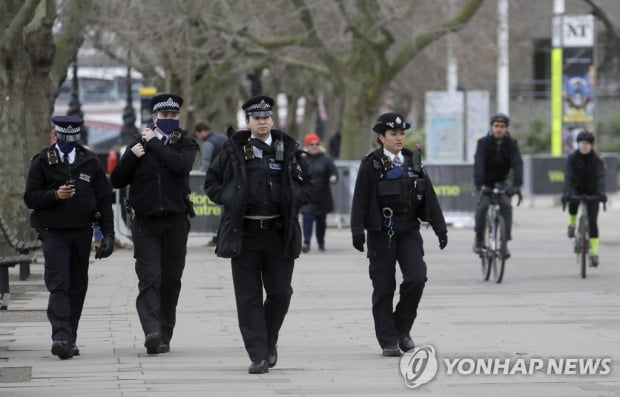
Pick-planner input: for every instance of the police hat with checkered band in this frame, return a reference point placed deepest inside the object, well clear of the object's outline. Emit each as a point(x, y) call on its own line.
point(166, 103)
point(67, 128)
point(390, 121)
point(258, 106)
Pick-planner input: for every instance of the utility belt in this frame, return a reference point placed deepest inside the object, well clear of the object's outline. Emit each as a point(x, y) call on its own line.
point(161, 214)
point(264, 224)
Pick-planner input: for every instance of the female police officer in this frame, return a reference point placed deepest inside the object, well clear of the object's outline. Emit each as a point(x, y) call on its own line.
point(392, 194)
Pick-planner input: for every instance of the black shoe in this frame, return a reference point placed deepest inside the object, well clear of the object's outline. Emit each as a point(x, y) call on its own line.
point(594, 261)
point(75, 349)
point(507, 253)
point(272, 357)
point(305, 248)
point(406, 343)
point(478, 244)
point(259, 367)
point(164, 348)
point(391, 351)
point(152, 343)
point(62, 349)
point(571, 231)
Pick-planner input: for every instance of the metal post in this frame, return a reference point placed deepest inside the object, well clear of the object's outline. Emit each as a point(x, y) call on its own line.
point(503, 77)
point(129, 130)
point(75, 107)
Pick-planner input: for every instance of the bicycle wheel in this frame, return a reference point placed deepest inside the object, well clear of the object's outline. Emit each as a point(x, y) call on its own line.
point(500, 263)
point(582, 255)
point(485, 258)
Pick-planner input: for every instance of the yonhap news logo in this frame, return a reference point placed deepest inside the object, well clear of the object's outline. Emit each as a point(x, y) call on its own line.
point(420, 366)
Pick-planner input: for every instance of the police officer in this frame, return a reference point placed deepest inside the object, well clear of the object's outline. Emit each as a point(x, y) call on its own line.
point(157, 166)
point(261, 180)
point(392, 194)
point(68, 191)
point(496, 154)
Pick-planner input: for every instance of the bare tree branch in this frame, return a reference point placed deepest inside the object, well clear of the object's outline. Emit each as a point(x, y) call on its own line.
point(422, 40)
point(9, 38)
point(69, 40)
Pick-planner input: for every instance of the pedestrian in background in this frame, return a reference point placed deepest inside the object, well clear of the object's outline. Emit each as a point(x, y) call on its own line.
point(69, 193)
point(157, 166)
point(324, 173)
point(262, 180)
point(393, 193)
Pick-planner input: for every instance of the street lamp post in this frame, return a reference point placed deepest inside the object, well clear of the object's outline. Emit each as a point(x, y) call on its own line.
point(129, 130)
point(75, 107)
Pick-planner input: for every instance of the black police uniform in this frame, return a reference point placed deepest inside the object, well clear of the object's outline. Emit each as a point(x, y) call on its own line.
point(261, 186)
point(65, 227)
point(159, 199)
point(389, 201)
point(493, 160)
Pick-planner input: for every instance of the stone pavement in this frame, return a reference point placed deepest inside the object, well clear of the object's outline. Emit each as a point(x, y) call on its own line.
point(543, 309)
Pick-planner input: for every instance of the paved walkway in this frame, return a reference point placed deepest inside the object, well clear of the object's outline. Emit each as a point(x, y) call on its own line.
point(543, 309)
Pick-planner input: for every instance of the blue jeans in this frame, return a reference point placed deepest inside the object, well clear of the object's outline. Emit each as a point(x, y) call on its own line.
point(321, 224)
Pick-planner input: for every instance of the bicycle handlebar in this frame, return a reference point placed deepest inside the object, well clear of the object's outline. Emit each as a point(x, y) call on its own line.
point(584, 197)
point(497, 191)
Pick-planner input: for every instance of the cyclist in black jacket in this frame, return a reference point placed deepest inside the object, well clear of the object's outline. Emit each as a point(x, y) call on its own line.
point(392, 194)
point(585, 174)
point(496, 154)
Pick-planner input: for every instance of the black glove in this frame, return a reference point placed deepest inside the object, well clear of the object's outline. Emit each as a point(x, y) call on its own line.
point(602, 197)
point(106, 247)
point(565, 198)
point(358, 242)
point(514, 190)
point(443, 240)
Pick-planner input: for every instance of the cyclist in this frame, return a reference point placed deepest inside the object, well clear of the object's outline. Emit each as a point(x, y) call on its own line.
point(496, 154)
point(584, 174)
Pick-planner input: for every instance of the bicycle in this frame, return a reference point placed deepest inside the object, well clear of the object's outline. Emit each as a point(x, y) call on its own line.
point(582, 233)
point(493, 254)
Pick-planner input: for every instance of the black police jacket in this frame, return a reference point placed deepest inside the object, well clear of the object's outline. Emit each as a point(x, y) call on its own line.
point(226, 184)
point(493, 160)
point(366, 210)
point(93, 192)
point(160, 179)
point(584, 174)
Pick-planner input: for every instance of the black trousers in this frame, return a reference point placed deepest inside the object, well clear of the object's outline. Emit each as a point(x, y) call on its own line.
point(593, 206)
point(66, 254)
point(261, 264)
point(160, 246)
point(505, 208)
point(406, 248)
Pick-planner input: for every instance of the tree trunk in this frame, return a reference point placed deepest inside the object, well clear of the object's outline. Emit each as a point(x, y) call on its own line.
point(32, 68)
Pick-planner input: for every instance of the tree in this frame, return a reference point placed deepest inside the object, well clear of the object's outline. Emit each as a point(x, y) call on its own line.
point(36, 48)
point(373, 57)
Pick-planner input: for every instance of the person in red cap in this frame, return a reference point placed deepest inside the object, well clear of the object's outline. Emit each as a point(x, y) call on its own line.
point(324, 173)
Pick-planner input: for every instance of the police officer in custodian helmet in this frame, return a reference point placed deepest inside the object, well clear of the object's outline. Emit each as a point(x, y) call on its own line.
point(68, 191)
point(392, 194)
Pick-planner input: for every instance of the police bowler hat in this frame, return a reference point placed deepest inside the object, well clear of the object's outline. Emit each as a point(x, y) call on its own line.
point(67, 128)
point(390, 121)
point(258, 106)
point(166, 103)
